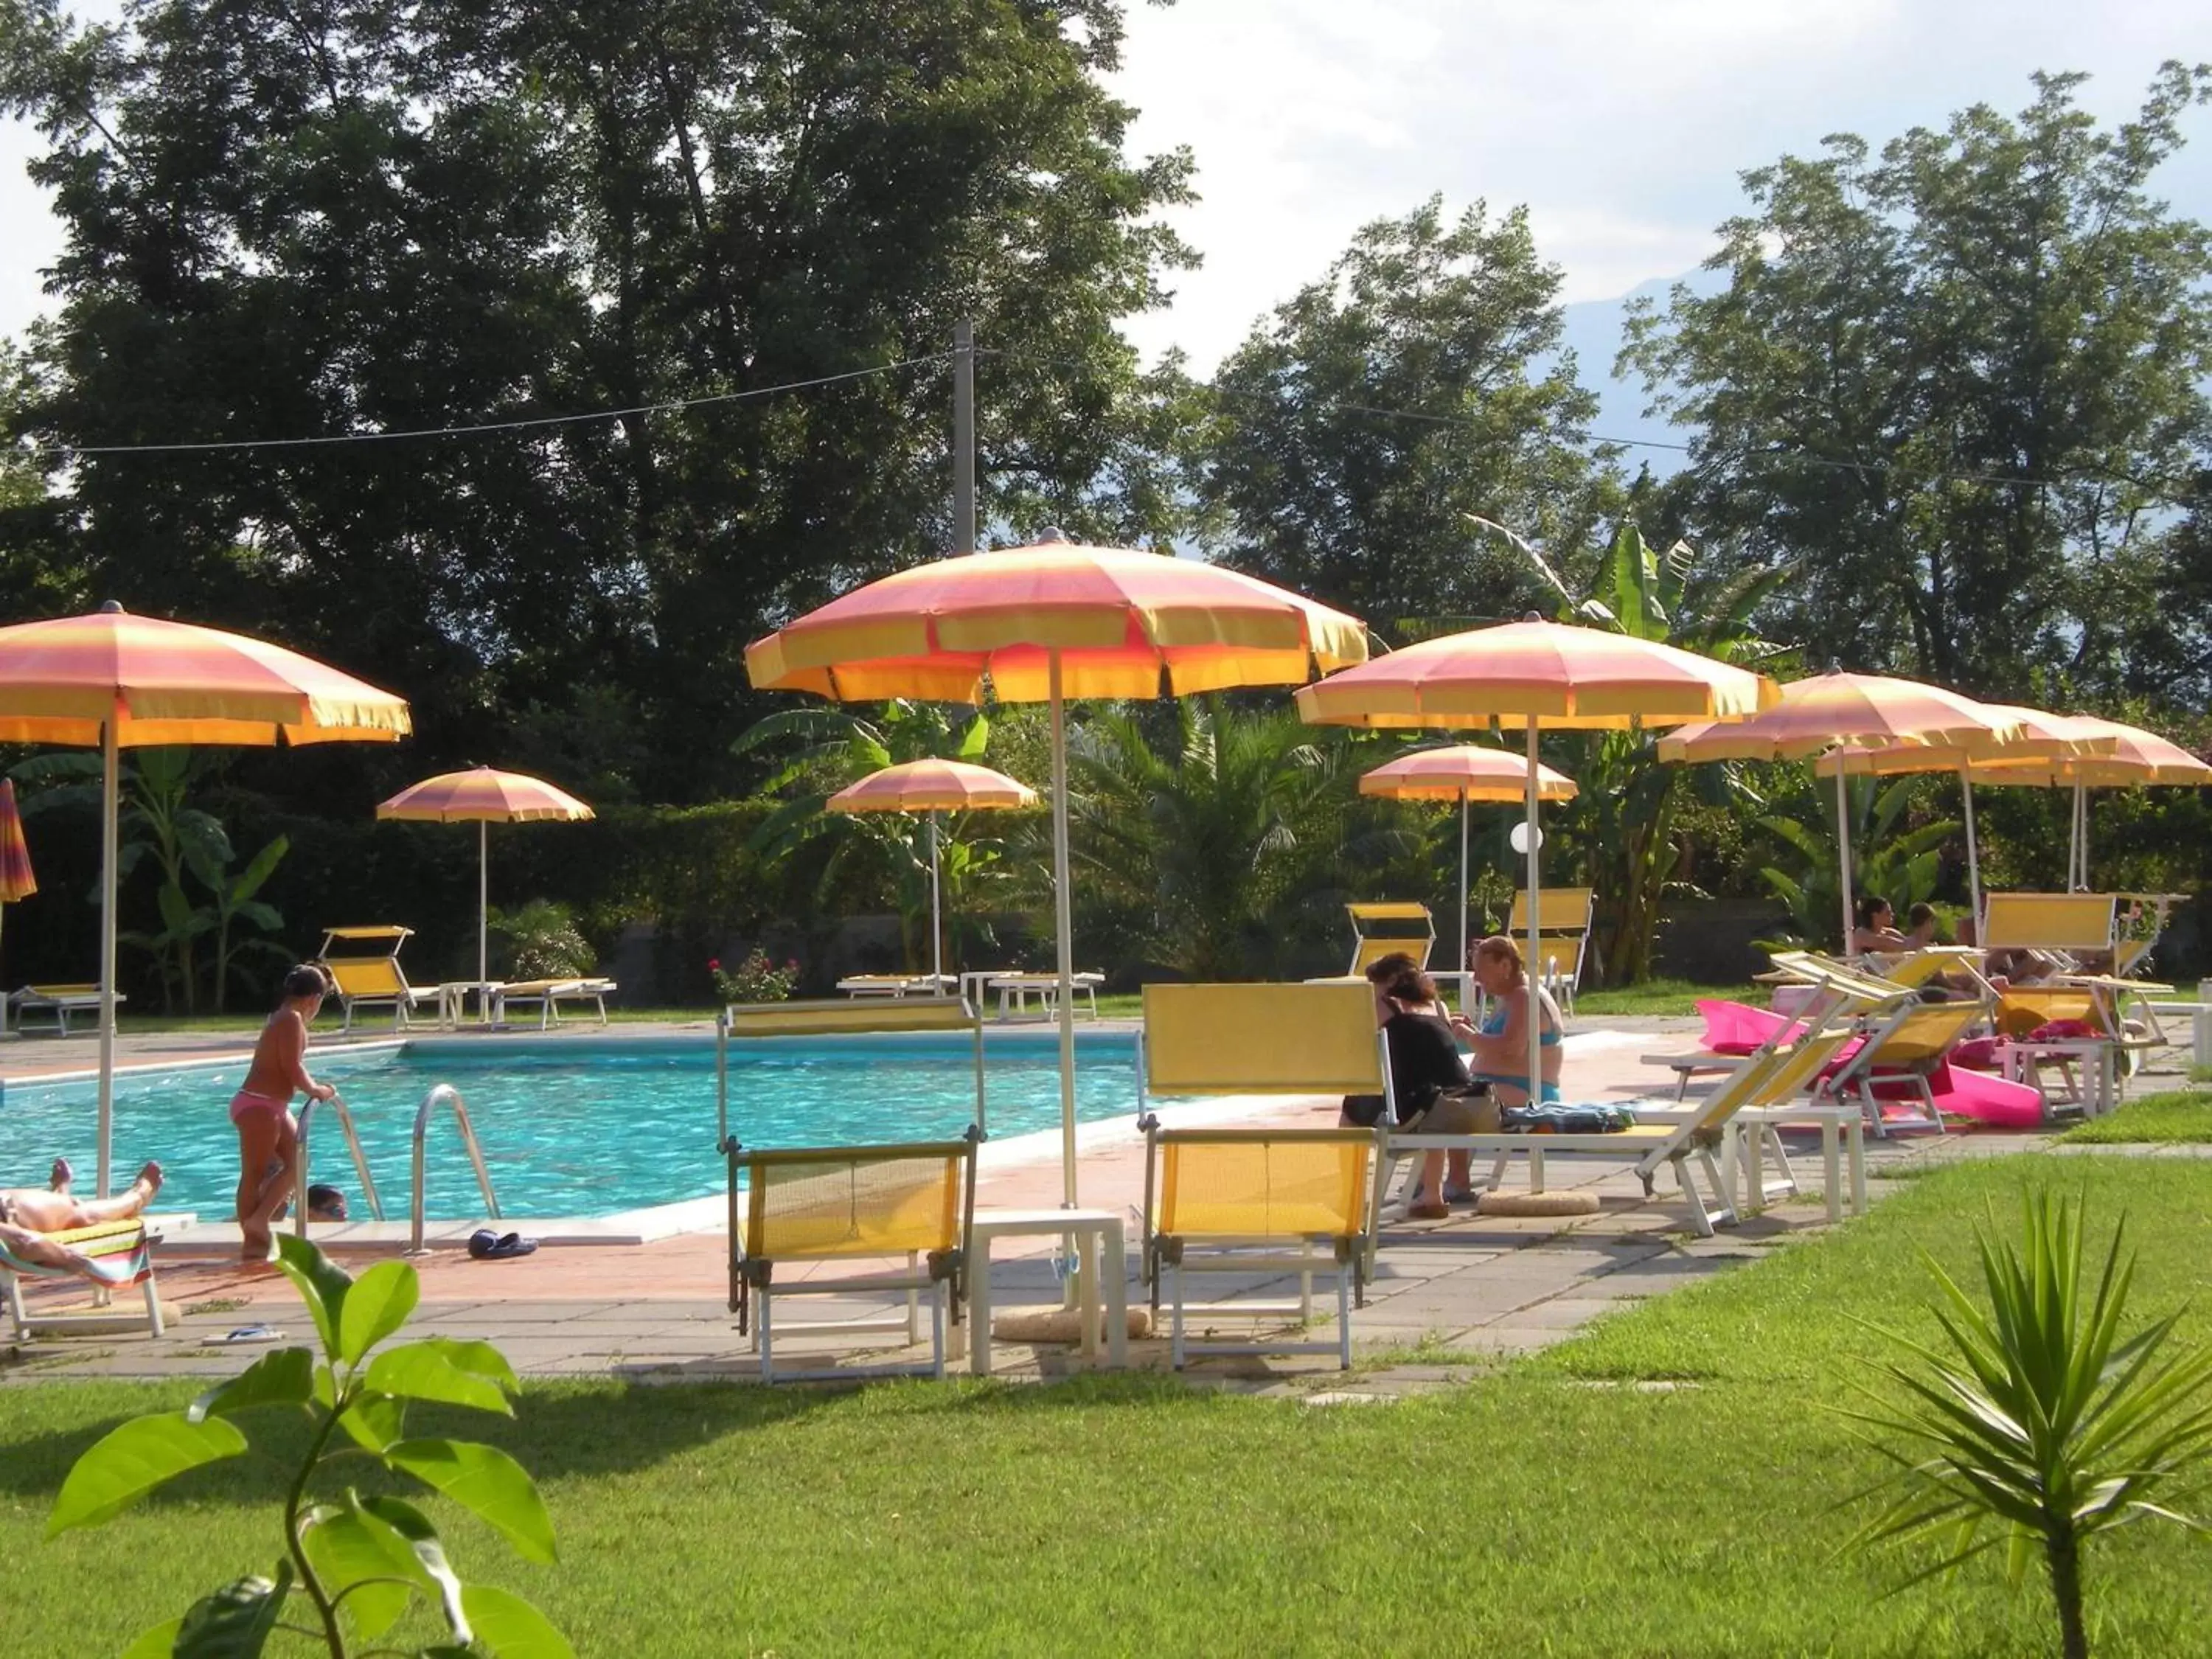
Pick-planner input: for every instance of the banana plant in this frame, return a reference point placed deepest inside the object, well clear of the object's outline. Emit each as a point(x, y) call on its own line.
point(232, 901)
point(1622, 825)
point(1902, 866)
point(352, 1565)
point(2034, 1428)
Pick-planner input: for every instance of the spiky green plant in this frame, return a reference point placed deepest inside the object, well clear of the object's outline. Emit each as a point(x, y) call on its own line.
point(2039, 1428)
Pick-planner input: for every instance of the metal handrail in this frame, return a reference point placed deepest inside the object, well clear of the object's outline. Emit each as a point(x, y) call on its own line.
point(451, 1096)
point(300, 1163)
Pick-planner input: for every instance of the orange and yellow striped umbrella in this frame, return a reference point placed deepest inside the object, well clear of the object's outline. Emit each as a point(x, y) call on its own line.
point(933, 787)
point(2041, 736)
point(1466, 773)
point(1042, 623)
point(2117, 757)
point(484, 796)
point(113, 681)
point(481, 795)
point(1536, 674)
point(16, 881)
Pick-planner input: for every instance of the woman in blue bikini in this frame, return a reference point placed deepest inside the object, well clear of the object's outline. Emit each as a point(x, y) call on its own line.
point(1501, 1042)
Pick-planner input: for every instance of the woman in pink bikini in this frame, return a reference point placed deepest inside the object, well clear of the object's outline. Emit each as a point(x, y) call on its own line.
point(262, 1111)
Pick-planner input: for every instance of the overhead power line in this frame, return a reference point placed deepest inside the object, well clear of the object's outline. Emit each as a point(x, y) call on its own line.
point(523, 424)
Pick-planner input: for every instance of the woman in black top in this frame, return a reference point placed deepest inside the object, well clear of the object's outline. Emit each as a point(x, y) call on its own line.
point(1425, 1064)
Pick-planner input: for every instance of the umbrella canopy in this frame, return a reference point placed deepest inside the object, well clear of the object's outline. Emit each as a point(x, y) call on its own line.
point(1466, 773)
point(114, 681)
point(1042, 623)
point(484, 796)
point(16, 881)
point(2127, 757)
point(1837, 710)
point(1541, 674)
point(933, 787)
point(2040, 736)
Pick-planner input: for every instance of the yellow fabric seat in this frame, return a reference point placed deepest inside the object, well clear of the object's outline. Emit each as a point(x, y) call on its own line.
point(1261, 1200)
point(363, 963)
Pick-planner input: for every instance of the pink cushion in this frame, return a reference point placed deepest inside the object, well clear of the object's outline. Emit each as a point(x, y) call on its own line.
point(1735, 1028)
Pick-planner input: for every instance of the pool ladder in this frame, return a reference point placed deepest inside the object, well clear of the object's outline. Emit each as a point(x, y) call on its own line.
point(441, 1094)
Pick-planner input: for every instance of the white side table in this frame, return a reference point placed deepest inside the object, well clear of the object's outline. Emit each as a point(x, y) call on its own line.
point(454, 998)
point(1104, 1248)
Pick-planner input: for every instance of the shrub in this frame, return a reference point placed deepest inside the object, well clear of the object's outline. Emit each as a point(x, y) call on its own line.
point(540, 940)
point(754, 980)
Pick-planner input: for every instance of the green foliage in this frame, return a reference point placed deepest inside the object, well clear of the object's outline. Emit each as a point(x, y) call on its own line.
point(1890, 858)
point(2038, 1428)
point(359, 1563)
point(884, 856)
point(754, 980)
point(1311, 486)
point(1209, 838)
point(538, 941)
point(1963, 382)
point(369, 218)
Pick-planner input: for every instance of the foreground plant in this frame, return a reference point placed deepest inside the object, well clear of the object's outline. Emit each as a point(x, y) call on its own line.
point(356, 1562)
point(2039, 1429)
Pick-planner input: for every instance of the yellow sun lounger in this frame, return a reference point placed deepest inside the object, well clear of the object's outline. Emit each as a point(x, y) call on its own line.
point(363, 963)
point(548, 994)
point(58, 1000)
point(1564, 915)
point(1258, 1201)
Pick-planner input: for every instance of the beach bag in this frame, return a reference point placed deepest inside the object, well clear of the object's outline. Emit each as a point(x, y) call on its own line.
point(1555, 1119)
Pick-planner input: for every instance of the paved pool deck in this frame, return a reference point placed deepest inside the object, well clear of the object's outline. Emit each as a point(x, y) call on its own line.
point(1451, 1295)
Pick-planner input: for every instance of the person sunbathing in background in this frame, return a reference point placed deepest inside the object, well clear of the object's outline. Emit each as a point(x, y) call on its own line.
point(1877, 933)
point(28, 1214)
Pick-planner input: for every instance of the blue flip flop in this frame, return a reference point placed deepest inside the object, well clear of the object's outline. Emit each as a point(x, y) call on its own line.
point(487, 1246)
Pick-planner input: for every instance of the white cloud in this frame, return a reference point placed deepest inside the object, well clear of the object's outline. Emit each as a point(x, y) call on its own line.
point(1622, 123)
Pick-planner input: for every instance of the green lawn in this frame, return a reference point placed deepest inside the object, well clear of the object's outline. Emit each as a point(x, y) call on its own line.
point(2176, 1116)
point(1662, 996)
point(1553, 1507)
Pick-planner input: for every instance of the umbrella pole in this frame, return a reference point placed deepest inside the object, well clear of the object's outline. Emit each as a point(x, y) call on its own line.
point(1973, 855)
point(936, 925)
point(110, 771)
point(1461, 964)
point(1844, 854)
point(483, 914)
point(1063, 912)
point(2082, 816)
point(1536, 966)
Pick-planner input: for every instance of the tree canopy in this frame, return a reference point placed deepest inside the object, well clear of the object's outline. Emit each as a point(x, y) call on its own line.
point(1963, 383)
point(348, 217)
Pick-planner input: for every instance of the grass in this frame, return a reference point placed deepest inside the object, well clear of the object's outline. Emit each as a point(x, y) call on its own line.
point(1528, 1511)
point(1654, 996)
point(2176, 1117)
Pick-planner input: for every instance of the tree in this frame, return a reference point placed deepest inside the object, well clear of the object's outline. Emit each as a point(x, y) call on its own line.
point(1959, 383)
point(351, 218)
point(1622, 821)
point(1354, 429)
point(1209, 838)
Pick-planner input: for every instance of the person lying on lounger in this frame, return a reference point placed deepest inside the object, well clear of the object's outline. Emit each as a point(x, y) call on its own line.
point(28, 1214)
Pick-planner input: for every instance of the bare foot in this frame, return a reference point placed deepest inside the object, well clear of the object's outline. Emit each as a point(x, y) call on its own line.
point(150, 1179)
point(256, 1247)
point(61, 1177)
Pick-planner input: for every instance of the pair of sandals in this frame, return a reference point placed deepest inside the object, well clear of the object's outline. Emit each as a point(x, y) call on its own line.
point(485, 1245)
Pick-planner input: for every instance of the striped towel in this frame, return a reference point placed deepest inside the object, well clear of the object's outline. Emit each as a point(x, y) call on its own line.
point(120, 1251)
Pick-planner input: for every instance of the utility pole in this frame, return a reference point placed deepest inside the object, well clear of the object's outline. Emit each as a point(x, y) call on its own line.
point(964, 436)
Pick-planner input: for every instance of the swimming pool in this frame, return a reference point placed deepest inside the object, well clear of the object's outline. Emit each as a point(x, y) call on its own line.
point(572, 1126)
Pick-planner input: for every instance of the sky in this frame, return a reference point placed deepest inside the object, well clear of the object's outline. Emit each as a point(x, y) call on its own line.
point(1621, 124)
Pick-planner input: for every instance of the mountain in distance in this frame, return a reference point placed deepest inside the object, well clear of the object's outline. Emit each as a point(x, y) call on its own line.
point(1592, 331)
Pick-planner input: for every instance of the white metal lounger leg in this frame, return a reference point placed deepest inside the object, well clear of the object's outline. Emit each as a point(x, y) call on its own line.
point(1175, 1315)
point(1343, 1315)
point(913, 1308)
point(761, 1331)
point(937, 1330)
point(1535, 1169)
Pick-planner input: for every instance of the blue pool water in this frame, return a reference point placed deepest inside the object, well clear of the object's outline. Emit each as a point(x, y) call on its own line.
point(571, 1128)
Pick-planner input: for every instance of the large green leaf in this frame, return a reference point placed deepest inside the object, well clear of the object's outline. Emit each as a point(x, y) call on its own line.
point(235, 1622)
point(285, 1377)
point(377, 1305)
point(364, 1565)
point(511, 1627)
point(159, 1643)
point(487, 1481)
point(413, 1527)
point(375, 1420)
point(423, 1371)
point(263, 865)
point(135, 1458)
point(322, 1285)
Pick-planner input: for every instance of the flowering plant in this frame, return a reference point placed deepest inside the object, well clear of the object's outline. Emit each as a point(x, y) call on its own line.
point(754, 980)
